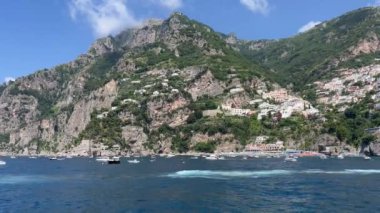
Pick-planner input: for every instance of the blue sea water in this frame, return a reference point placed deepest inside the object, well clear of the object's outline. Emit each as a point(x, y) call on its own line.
point(181, 184)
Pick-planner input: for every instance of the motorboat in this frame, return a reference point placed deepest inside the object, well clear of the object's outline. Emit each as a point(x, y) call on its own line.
point(170, 156)
point(367, 157)
point(2, 163)
point(13, 157)
point(211, 157)
point(102, 159)
point(194, 158)
point(114, 160)
point(53, 158)
point(340, 157)
point(323, 156)
point(135, 161)
point(290, 159)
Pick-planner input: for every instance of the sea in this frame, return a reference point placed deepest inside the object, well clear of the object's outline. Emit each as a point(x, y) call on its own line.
point(182, 184)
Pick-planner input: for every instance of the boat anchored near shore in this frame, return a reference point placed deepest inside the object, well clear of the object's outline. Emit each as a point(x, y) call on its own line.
point(109, 160)
point(134, 161)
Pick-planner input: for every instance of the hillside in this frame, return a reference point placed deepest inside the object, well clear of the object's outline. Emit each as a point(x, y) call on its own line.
point(178, 86)
point(351, 40)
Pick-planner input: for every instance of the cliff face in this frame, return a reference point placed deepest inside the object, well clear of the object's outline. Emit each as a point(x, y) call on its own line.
point(148, 77)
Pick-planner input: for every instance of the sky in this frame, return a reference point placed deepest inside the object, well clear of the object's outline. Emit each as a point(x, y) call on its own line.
point(41, 34)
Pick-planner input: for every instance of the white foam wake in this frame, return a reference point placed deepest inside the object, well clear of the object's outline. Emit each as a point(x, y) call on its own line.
point(264, 173)
point(24, 179)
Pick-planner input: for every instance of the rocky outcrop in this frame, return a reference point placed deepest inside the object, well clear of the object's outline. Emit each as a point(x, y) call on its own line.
point(371, 44)
point(224, 142)
point(136, 138)
point(326, 140)
point(102, 46)
point(162, 111)
point(371, 149)
point(206, 85)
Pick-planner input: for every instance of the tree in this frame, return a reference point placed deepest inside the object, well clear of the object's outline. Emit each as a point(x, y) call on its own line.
point(255, 127)
point(342, 133)
point(350, 113)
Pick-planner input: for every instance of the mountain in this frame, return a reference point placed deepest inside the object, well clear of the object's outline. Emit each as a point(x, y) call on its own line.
point(178, 86)
point(351, 40)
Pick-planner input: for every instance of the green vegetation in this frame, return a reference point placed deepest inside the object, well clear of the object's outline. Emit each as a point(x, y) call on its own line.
point(309, 56)
point(4, 138)
point(106, 130)
point(350, 125)
point(2, 88)
point(45, 99)
point(207, 147)
point(43, 145)
point(101, 71)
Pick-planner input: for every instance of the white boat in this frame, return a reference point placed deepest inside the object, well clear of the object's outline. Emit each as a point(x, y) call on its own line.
point(170, 156)
point(340, 156)
point(2, 163)
point(134, 161)
point(211, 157)
point(32, 157)
point(13, 157)
point(194, 157)
point(102, 159)
point(367, 157)
point(69, 157)
point(113, 160)
point(53, 158)
point(290, 159)
point(323, 156)
point(221, 158)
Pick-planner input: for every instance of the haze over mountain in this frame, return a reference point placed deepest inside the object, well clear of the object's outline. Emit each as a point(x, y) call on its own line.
point(177, 85)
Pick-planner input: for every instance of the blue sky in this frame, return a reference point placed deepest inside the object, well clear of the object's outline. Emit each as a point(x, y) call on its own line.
point(43, 33)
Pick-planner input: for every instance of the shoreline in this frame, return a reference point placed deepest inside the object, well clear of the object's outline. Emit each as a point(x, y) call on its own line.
point(192, 154)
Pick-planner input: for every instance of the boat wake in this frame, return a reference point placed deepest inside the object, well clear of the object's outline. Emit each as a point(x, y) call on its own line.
point(210, 174)
point(24, 179)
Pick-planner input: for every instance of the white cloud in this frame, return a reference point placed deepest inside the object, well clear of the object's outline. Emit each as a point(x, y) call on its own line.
point(105, 16)
point(171, 4)
point(9, 79)
point(308, 26)
point(256, 6)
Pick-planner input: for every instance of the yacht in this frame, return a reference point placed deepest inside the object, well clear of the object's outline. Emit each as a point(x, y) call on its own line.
point(114, 160)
